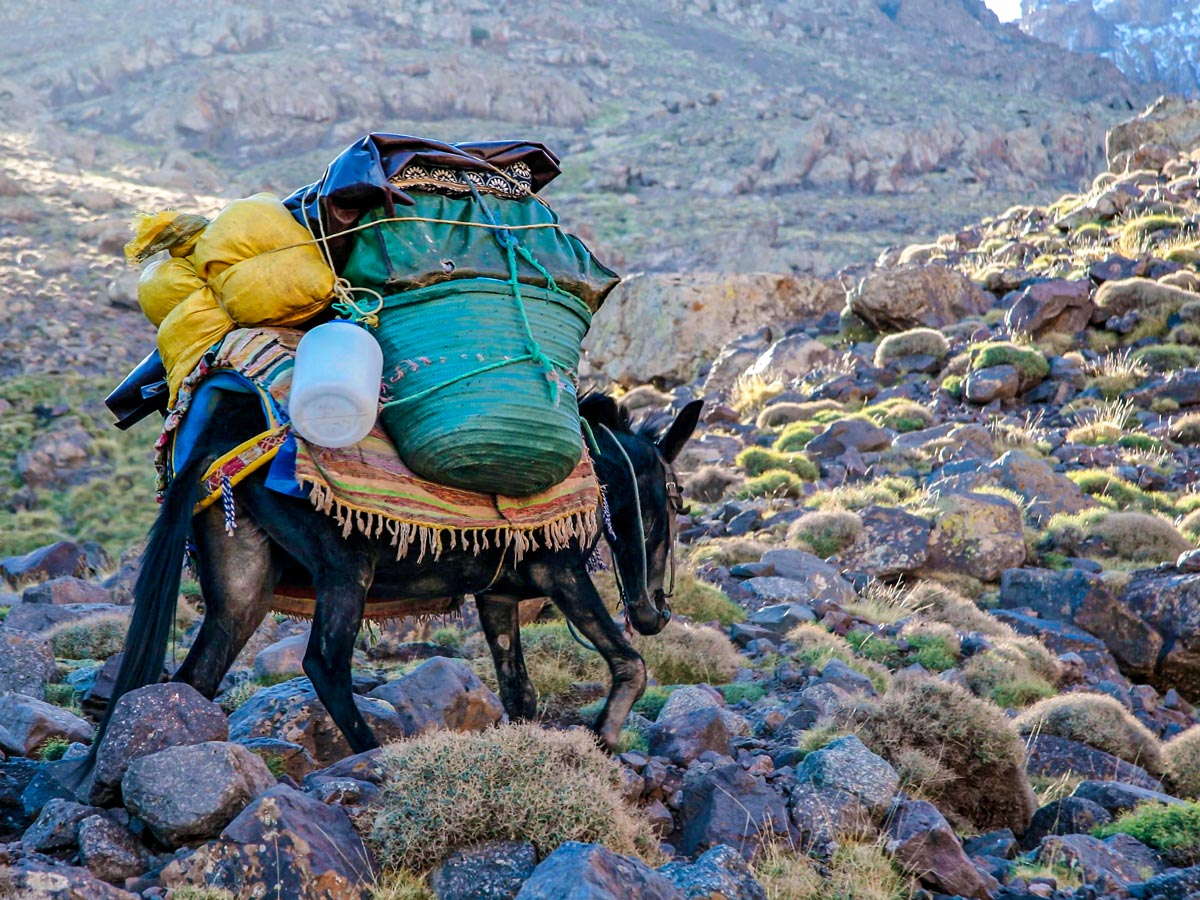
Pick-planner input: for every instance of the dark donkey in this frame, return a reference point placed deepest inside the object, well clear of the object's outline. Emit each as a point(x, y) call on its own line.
point(238, 573)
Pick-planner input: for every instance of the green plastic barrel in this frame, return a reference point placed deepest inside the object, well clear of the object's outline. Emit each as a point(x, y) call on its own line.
point(462, 407)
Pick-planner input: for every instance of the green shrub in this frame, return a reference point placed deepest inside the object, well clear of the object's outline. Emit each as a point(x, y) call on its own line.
point(758, 460)
point(1099, 721)
point(689, 654)
point(96, 637)
point(742, 690)
point(444, 791)
point(815, 646)
point(826, 532)
point(52, 748)
point(917, 341)
point(967, 738)
point(1028, 361)
point(796, 435)
point(1173, 831)
point(1167, 357)
point(1111, 490)
point(900, 415)
point(953, 385)
point(1014, 673)
point(773, 483)
point(1181, 758)
point(704, 602)
point(934, 652)
point(777, 414)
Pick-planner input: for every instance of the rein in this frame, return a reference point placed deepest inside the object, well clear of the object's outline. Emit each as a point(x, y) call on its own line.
point(643, 573)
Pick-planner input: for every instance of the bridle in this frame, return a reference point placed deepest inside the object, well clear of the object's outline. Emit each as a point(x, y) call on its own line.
point(675, 500)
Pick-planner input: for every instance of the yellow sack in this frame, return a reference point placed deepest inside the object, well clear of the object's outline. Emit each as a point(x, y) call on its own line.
point(256, 281)
point(164, 285)
point(166, 230)
point(186, 334)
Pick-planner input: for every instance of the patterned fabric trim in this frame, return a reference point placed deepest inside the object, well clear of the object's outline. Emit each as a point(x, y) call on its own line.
point(515, 183)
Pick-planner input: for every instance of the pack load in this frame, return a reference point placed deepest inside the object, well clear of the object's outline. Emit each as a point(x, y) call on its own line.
point(254, 264)
point(479, 300)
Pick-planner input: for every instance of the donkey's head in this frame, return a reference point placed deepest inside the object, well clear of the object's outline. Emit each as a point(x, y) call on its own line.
point(644, 497)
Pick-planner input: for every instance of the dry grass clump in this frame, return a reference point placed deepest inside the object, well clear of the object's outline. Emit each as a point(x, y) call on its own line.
point(1185, 429)
point(708, 484)
point(756, 461)
point(856, 871)
point(727, 551)
point(773, 484)
point(444, 790)
point(881, 603)
point(958, 733)
point(555, 661)
point(941, 604)
point(900, 414)
point(689, 654)
point(96, 637)
point(917, 341)
point(826, 532)
point(704, 602)
point(1134, 536)
point(1014, 673)
point(1116, 374)
point(1099, 721)
point(751, 392)
point(400, 885)
point(1181, 759)
point(815, 647)
point(784, 413)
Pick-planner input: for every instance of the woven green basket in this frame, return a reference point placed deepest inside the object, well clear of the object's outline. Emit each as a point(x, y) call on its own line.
point(464, 403)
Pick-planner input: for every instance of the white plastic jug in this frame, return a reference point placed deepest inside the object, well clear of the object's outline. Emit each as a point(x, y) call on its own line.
point(335, 385)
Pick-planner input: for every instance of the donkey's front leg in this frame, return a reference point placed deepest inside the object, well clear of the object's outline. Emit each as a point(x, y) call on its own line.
point(572, 591)
point(501, 621)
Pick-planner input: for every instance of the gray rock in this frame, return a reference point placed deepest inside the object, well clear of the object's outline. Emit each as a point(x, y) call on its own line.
point(780, 618)
point(57, 826)
point(64, 591)
point(980, 535)
point(825, 815)
point(44, 616)
point(684, 737)
point(924, 845)
point(53, 561)
point(847, 765)
point(578, 871)
point(28, 723)
point(1098, 864)
point(893, 542)
point(848, 434)
point(914, 296)
point(191, 792)
point(181, 716)
point(291, 712)
point(840, 675)
point(821, 581)
point(491, 871)
point(1054, 757)
point(284, 844)
point(26, 663)
point(282, 658)
point(292, 759)
point(441, 693)
point(1045, 492)
point(109, 851)
point(690, 698)
point(729, 805)
point(1117, 797)
point(1171, 605)
point(1070, 815)
point(983, 386)
point(42, 879)
point(1059, 305)
point(791, 357)
point(1000, 844)
point(719, 874)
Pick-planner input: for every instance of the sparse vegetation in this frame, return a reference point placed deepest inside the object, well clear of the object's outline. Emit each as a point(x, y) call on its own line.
point(774, 483)
point(1099, 721)
point(689, 654)
point(856, 871)
point(704, 602)
point(96, 637)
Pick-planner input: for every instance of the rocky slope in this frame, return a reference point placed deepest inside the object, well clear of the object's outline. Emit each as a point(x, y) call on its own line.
point(1153, 42)
point(936, 630)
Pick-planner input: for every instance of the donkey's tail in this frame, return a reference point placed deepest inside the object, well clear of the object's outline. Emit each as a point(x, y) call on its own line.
point(156, 591)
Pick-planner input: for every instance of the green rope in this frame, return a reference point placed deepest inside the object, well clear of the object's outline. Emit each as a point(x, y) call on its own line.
point(531, 345)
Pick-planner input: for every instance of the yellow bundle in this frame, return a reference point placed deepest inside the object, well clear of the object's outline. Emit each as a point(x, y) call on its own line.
point(252, 265)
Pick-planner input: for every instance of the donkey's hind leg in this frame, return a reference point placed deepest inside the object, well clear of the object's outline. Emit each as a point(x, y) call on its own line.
point(501, 621)
point(572, 591)
point(237, 580)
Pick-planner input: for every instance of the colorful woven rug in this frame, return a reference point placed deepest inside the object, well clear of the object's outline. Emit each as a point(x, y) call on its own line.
point(366, 487)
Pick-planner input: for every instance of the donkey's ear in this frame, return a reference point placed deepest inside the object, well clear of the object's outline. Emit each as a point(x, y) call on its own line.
point(681, 429)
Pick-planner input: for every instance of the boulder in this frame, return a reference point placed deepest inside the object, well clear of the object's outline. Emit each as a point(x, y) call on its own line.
point(1175, 884)
point(821, 581)
point(164, 789)
point(780, 618)
point(1045, 492)
point(790, 358)
point(1083, 599)
point(1117, 797)
point(109, 851)
point(933, 296)
point(53, 561)
point(57, 826)
point(1171, 605)
point(291, 759)
point(825, 815)
point(719, 874)
point(666, 327)
point(26, 663)
point(42, 879)
point(284, 844)
point(283, 658)
point(26, 724)
point(44, 616)
point(66, 590)
point(980, 535)
point(180, 716)
point(689, 698)
point(291, 712)
point(1055, 757)
point(684, 737)
point(892, 542)
point(491, 871)
point(1070, 815)
point(853, 433)
point(1099, 864)
point(441, 693)
point(1170, 121)
point(729, 805)
point(847, 765)
point(1058, 305)
point(578, 871)
point(992, 383)
point(924, 845)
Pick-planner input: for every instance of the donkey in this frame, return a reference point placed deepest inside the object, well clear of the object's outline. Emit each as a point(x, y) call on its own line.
point(238, 572)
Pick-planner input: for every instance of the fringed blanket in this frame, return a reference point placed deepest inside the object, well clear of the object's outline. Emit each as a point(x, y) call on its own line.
point(365, 487)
